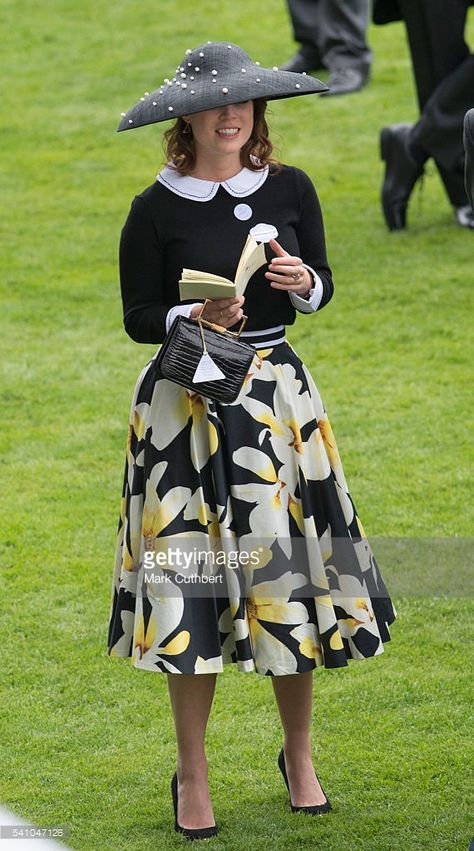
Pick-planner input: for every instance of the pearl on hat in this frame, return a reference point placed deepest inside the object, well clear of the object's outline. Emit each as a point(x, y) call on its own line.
point(258, 79)
point(130, 121)
point(183, 76)
point(142, 98)
point(275, 67)
point(188, 52)
point(184, 86)
point(229, 47)
point(191, 78)
point(170, 109)
point(123, 114)
point(169, 83)
point(225, 91)
point(304, 73)
point(214, 80)
point(298, 86)
point(257, 63)
point(244, 70)
point(154, 103)
point(201, 53)
point(190, 64)
point(214, 72)
point(166, 80)
point(192, 91)
point(147, 93)
point(197, 69)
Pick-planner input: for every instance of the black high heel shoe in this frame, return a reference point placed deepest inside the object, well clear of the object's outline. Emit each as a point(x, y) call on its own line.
point(317, 809)
point(189, 832)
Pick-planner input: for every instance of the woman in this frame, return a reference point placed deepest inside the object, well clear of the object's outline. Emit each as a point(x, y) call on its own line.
point(259, 476)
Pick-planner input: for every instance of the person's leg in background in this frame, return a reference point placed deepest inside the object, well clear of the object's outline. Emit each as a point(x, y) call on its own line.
point(305, 20)
point(333, 35)
point(469, 150)
point(343, 44)
point(444, 76)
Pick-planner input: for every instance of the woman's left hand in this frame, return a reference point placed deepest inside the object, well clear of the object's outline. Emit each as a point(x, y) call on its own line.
point(287, 272)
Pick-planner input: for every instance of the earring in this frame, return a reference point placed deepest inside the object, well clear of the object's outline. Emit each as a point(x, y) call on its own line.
point(187, 127)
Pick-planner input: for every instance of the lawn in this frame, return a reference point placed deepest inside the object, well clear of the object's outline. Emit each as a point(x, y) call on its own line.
point(88, 740)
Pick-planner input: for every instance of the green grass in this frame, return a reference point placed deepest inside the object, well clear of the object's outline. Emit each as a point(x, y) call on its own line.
point(88, 741)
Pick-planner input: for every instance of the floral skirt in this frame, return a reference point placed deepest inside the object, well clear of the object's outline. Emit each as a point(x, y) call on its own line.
point(238, 541)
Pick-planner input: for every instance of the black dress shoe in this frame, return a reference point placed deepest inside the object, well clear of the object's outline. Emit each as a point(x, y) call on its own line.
point(344, 81)
point(189, 832)
point(401, 174)
point(317, 809)
point(306, 59)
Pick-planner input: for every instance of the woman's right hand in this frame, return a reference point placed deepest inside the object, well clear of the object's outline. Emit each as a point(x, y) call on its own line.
point(221, 311)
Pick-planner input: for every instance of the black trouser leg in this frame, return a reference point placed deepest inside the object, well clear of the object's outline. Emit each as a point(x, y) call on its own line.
point(443, 70)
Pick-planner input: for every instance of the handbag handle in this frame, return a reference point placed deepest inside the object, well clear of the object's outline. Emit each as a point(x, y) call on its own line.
point(219, 328)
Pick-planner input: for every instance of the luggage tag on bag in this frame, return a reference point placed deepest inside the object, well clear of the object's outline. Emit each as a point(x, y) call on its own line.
point(207, 369)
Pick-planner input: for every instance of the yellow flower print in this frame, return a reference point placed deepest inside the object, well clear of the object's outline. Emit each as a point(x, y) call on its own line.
point(177, 645)
point(158, 513)
point(296, 510)
point(331, 447)
point(294, 428)
point(352, 596)
point(269, 518)
point(143, 640)
point(335, 642)
point(361, 603)
point(269, 603)
point(171, 412)
point(165, 617)
point(140, 416)
point(309, 644)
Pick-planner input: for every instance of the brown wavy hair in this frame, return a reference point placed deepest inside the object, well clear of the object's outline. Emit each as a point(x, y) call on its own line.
point(181, 153)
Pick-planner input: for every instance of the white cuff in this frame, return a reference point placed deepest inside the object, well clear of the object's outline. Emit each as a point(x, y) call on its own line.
point(179, 310)
point(311, 302)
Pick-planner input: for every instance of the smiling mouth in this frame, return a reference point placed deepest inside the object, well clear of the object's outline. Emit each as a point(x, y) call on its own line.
point(228, 132)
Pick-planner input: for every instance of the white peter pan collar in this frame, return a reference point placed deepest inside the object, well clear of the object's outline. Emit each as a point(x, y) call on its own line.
point(246, 182)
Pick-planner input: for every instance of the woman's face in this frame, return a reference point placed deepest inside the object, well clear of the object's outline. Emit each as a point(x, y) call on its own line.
point(223, 130)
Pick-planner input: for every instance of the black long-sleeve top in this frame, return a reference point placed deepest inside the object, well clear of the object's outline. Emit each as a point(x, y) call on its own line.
point(183, 222)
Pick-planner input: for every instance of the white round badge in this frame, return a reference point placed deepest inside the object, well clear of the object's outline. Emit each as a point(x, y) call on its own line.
point(243, 212)
point(263, 232)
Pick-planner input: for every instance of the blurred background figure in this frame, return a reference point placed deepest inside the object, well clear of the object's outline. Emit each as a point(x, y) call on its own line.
point(332, 34)
point(469, 149)
point(443, 68)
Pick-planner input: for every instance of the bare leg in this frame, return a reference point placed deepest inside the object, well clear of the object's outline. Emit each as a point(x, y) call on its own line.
point(294, 696)
point(191, 700)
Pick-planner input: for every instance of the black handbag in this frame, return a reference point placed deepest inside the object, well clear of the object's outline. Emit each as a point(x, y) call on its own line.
point(197, 349)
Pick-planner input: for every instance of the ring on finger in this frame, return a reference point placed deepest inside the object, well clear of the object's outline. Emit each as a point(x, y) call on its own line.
point(296, 275)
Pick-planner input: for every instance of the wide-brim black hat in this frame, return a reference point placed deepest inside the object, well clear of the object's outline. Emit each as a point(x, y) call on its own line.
point(212, 75)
